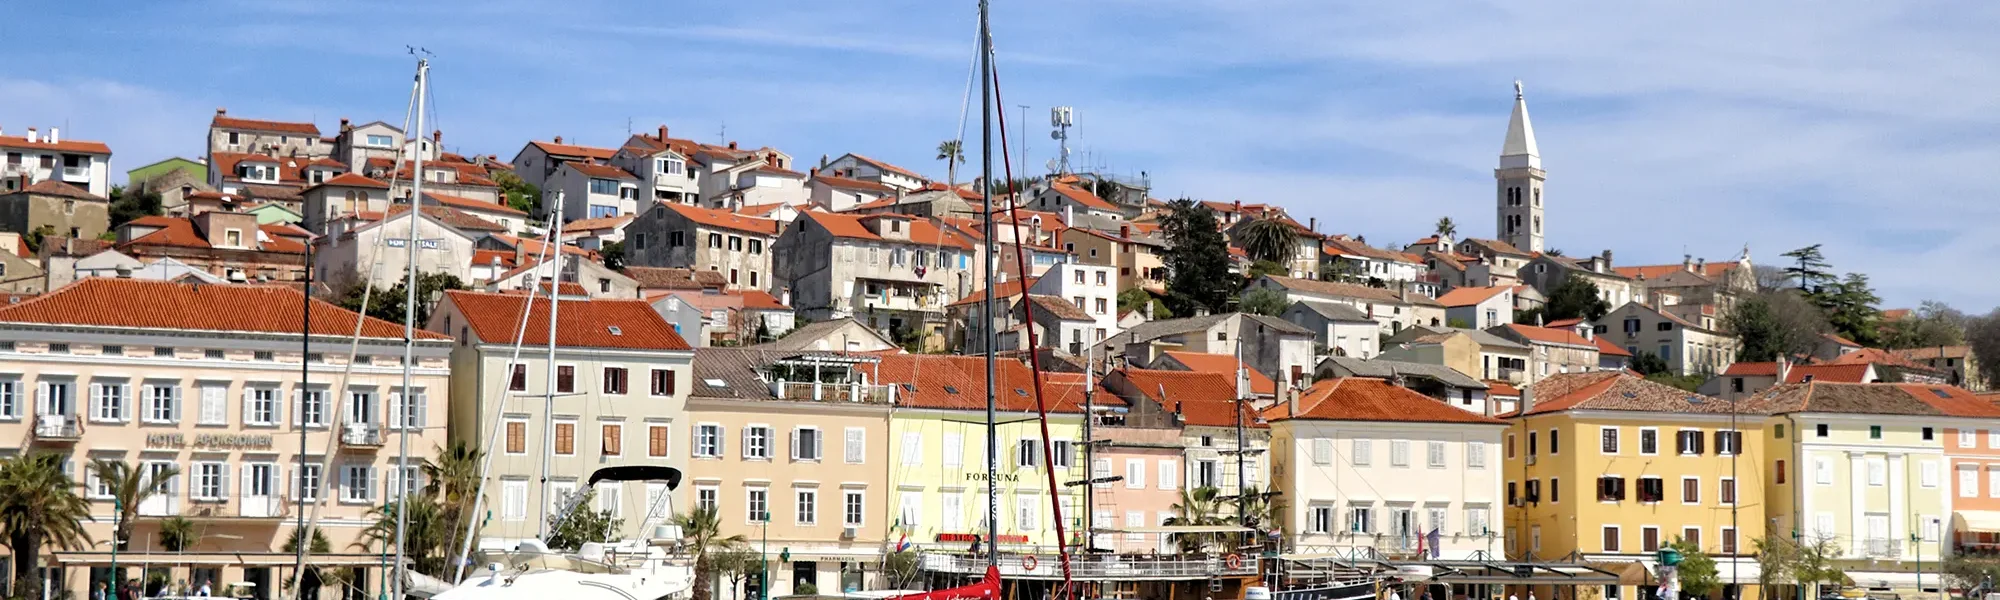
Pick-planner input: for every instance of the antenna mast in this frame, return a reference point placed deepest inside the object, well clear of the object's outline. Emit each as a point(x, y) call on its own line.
point(1062, 118)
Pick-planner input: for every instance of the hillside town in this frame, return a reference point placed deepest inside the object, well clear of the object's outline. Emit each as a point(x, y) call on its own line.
point(216, 353)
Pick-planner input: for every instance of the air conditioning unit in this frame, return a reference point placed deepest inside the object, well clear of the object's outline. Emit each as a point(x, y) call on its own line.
point(1531, 459)
point(848, 533)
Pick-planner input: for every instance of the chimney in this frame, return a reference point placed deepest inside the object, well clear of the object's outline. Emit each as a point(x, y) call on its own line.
point(1125, 231)
point(1147, 315)
point(1687, 262)
point(1069, 210)
point(732, 144)
point(1607, 258)
point(1312, 224)
point(55, 135)
point(1527, 399)
point(32, 136)
point(1700, 265)
point(343, 124)
point(663, 133)
point(1784, 368)
point(559, 139)
point(219, 111)
point(784, 294)
point(813, 172)
point(437, 136)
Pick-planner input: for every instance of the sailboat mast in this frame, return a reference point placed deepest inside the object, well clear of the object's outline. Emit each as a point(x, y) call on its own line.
point(1242, 382)
point(409, 333)
point(992, 265)
point(549, 396)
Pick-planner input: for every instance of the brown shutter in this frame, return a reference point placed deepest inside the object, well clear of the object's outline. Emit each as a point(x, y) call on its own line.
point(517, 437)
point(565, 438)
point(613, 440)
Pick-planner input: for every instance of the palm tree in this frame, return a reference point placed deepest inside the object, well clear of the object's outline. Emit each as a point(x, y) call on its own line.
point(1272, 239)
point(453, 479)
point(703, 531)
point(1199, 507)
point(1446, 228)
point(39, 506)
point(1260, 513)
point(318, 576)
point(129, 487)
point(178, 533)
point(424, 533)
point(953, 153)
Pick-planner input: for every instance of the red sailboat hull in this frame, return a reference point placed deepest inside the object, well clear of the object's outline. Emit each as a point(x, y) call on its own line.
point(986, 589)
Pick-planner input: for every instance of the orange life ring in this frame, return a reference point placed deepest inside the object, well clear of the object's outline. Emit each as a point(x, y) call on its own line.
point(1235, 561)
point(1028, 562)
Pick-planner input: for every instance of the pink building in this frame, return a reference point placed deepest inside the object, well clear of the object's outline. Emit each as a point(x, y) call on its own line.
point(206, 379)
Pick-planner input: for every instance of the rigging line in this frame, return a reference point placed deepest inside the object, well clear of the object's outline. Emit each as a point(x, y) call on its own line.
point(309, 519)
point(965, 100)
point(1028, 312)
point(499, 417)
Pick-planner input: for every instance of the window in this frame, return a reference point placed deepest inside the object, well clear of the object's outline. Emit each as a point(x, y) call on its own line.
point(756, 246)
point(1170, 475)
point(565, 379)
point(708, 440)
point(1927, 473)
point(614, 439)
point(357, 483)
point(163, 403)
point(1820, 430)
point(1135, 473)
point(1610, 538)
point(1779, 475)
point(757, 442)
point(1435, 455)
point(663, 382)
point(1399, 453)
point(1878, 473)
point(614, 380)
point(1510, 445)
point(108, 401)
point(1690, 490)
point(808, 506)
point(851, 508)
point(1208, 473)
point(1688, 441)
point(1364, 452)
point(1361, 519)
point(565, 438)
point(308, 481)
point(1727, 442)
point(1822, 471)
point(1532, 443)
point(1475, 455)
point(1968, 481)
point(1692, 535)
point(209, 481)
point(1874, 432)
point(656, 440)
point(756, 506)
point(604, 186)
point(1652, 489)
point(1027, 512)
point(854, 444)
point(805, 443)
point(706, 498)
point(311, 410)
point(1967, 438)
point(1726, 491)
point(1610, 488)
point(1555, 490)
point(517, 437)
point(380, 141)
point(519, 382)
point(1649, 539)
point(1319, 519)
point(1609, 442)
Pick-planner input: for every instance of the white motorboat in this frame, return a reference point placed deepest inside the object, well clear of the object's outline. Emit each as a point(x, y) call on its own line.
point(645, 569)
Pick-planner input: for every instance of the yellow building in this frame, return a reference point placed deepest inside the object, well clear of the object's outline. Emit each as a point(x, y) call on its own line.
point(1607, 467)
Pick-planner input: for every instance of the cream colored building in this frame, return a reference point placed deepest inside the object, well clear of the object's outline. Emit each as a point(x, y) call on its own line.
point(206, 378)
point(621, 380)
point(1688, 348)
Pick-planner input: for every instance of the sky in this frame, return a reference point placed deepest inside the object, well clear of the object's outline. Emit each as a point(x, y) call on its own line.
point(1667, 129)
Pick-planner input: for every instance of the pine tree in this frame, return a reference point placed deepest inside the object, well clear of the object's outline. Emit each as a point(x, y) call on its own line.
point(1198, 257)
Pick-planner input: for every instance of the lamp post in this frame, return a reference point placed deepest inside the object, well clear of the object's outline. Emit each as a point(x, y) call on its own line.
point(117, 518)
point(764, 548)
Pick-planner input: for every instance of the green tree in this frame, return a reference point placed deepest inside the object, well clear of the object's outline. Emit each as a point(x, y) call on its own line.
point(1933, 324)
point(1647, 363)
point(177, 533)
point(1576, 298)
point(424, 533)
point(1446, 229)
point(1970, 573)
point(1811, 270)
point(613, 254)
point(1849, 306)
point(1198, 257)
point(130, 487)
point(319, 545)
point(1259, 269)
point(953, 153)
point(1775, 323)
point(1697, 570)
point(1814, 564)
point(1532, 316)
point(1456, 323)
point(583, 524)
point(1197, 507)
point(39, 507)
point(702, 531)
point(736, 565)
point(451, 480)
point(128, 204)
point(1777, 558)
point(1260, 511)
point(1269, 238)
point(1270, 303)
point(521, 195)
point(387, 304)
point(1137, 298)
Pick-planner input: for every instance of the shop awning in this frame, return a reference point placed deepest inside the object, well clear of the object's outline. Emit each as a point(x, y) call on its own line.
point(1174, 529)
point(1982, 521)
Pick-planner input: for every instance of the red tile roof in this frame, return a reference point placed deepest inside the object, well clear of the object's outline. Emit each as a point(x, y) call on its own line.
point(1081, 196)
point(659, 278)
point(1496, 387)
point(1002, 292)
point(1877, 398)
point(923, 232)
point(1752, 369)
point(533, 247)
point(581, 225)
point(601, 171)
point(1548, 335)
point(484, 258)
point(180, 232)
point(772, 170)
point(462, 203)
point(1563, 323)
point(227, 122)
point(1469, 296)
point(887, 167)
point(145, 304)
point(352, 180)
point(1370, 399)
point(51, 187)
point(853, 184)
point(1226, 365)
point(562, 150)
point(1836, 373)
point(1618, 390)
point(724, 219)
point(1606, 348)
point(759, 300)
point(959, 383)
point(583, 323)
point(1715, 269)
point(62, 146)
point(1201, 398)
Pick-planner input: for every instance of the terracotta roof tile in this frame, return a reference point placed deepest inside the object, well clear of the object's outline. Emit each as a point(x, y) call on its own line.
point(1469, 296)
point(301, 128)
point(583, 323)
point(1834, 373)
point(1081, 196)
point(1226, 365)
point(1550, 335)
point(463, 203)
point(1714, 269)
point(923, 232)
point(887, 167)
point(959, 383)
point(1201, 398)
point(1003, 293)
point(51, 187)
point(1620, 390)
point(601, 171)
point(145, 304)
point(759, 300)
point(21, 142)
point(571, 150)
point(1060, 308)
point(659, 278)
point(596, 224)
point(724, 219)
point(352, 180)
point(1877, 399)
point(1370, 399)
point(853, 184)
point(1752, 369)
point(1606, 348)
point(1348, 290)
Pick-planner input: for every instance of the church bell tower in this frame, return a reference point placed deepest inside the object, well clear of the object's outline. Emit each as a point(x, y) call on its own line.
point(1519, 181)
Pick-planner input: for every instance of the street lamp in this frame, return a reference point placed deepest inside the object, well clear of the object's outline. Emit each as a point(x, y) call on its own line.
point(764, 547)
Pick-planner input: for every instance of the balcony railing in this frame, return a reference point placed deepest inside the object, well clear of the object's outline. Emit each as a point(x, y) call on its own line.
point(1882, 548)
point(361, 435)
point(830, 392)
point(248, 507)
point(160, 506)
point(57, 427)
point(76, 173)
point(1097, 567)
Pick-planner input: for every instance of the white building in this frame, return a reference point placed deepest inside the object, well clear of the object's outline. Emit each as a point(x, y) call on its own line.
point(39, 158)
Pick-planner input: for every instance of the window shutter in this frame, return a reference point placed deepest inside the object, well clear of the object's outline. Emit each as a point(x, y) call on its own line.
point(1322, 451)
point(247, 412)
point(746, 441)
point(795, 444)
point(856, 446)
point(125, 398)
point(213, 410)
point(394, 418)
point(1721, 441)
point(174, 401)
point(422, 408)
point(248, 484)
point(1170, 471)
point(42, 398)
point(298, 407)
point(96, 402)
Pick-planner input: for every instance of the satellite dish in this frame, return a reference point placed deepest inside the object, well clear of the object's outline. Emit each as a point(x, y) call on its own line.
point(1052, 164)
point(1055, 135)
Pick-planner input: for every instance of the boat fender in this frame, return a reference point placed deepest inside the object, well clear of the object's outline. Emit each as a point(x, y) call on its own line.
point(1235, 561)
point(1028, 562)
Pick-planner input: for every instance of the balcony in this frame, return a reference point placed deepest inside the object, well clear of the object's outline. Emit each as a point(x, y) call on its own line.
point(248, 507)
point(1881, 548)
point(830, 392)
point(58, 428)
point(361, 435)
point(159, 505)
point(1108, 567)
point(76, 174)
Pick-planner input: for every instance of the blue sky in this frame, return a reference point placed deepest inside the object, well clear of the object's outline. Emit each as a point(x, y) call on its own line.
point(1669, 128)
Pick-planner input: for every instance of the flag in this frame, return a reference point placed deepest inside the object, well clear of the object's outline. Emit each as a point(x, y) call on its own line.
point(903, 543)
point(1420, 545)
point(1435, 550)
